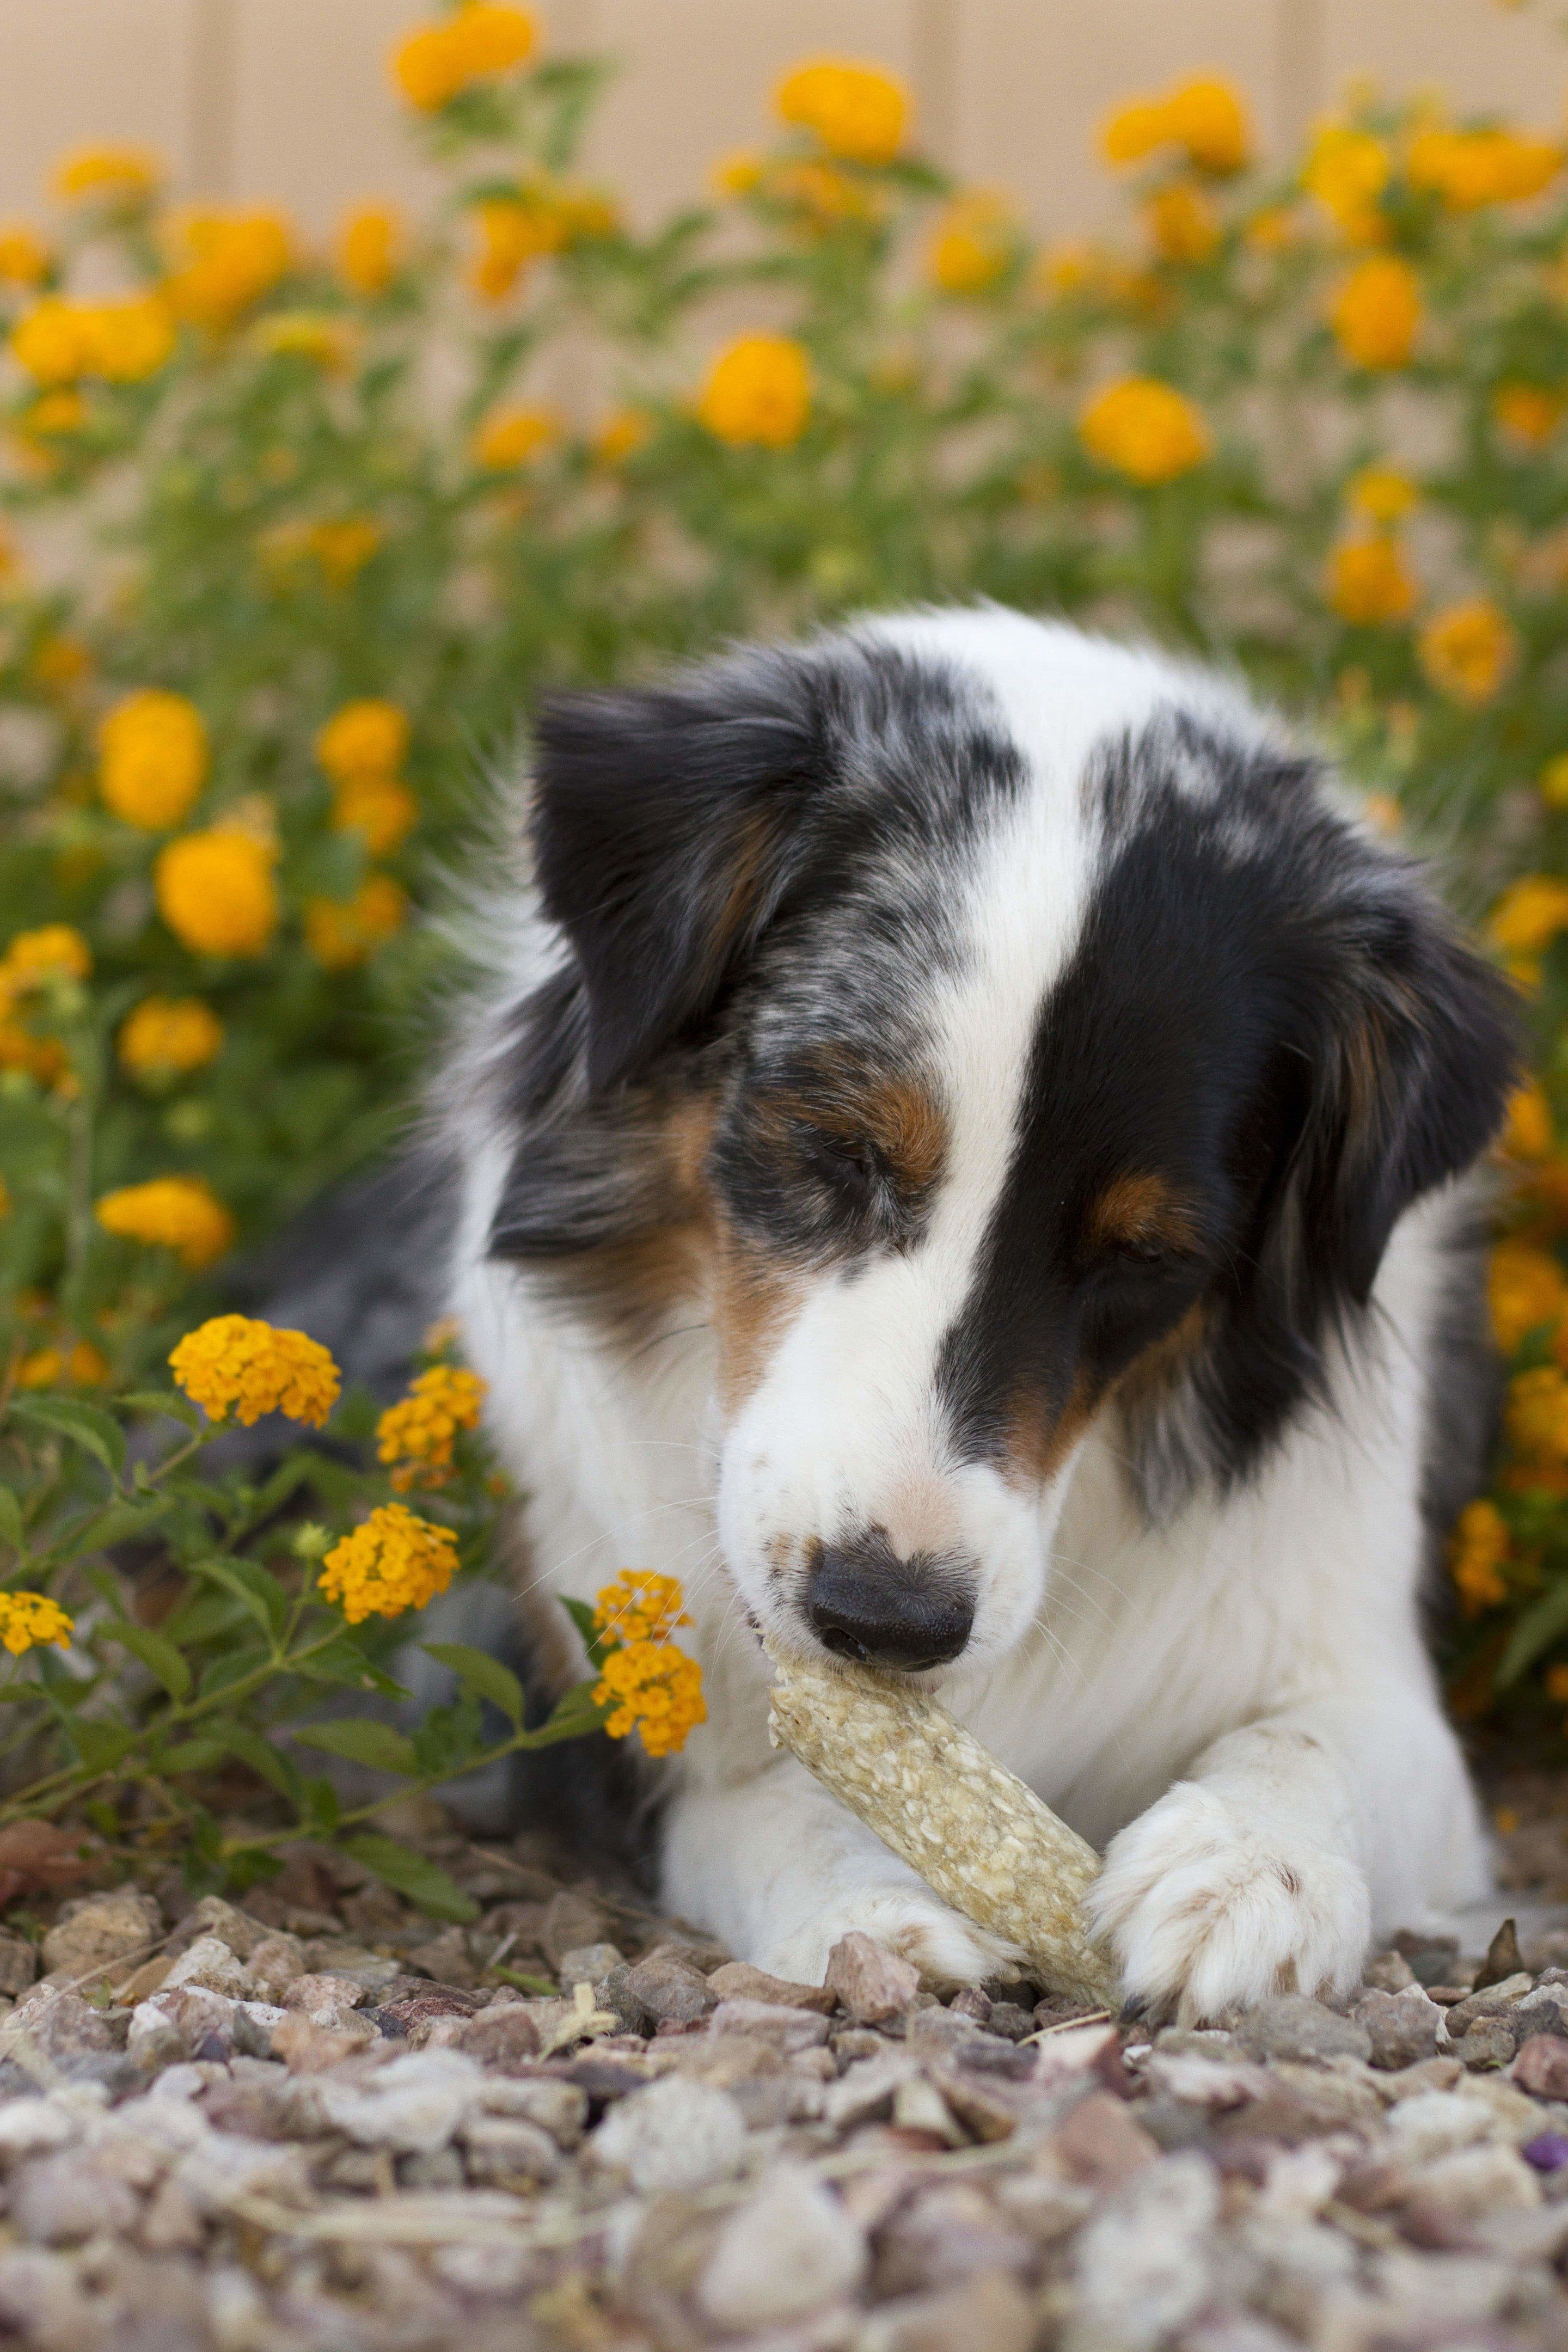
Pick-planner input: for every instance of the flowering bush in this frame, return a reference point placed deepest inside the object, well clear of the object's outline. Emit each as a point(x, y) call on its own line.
point(329, 538)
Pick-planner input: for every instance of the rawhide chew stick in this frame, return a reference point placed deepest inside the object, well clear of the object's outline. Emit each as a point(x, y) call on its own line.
point(977, 1836)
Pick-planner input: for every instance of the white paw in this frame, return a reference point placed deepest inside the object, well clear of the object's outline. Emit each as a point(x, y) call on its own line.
point(947, 1948)
point(1206, 1912)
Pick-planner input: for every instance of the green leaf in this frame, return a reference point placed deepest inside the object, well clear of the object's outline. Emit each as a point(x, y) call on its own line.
point(87, 1424)
point(319, 1808)
point(100, 1746)
point(261, 1594)
point(572, 1718)
point(173, 1406)
point(342, 1662)
point(118, 1521)
point(157, 1654)
point(362, 1742)
point(410, 1874)
point(11, 1527)
point(269, 1763)
point(582, 1616)
point(484, 1675)
point(1535, 1632)
point(192, 1756)
point(523, 1983)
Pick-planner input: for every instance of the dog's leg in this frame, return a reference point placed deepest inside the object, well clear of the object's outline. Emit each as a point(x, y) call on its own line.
point(1257, 1875)
point(780, 1870)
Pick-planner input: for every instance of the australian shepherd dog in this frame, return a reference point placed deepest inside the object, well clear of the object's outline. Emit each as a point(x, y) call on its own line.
point(967, 1149)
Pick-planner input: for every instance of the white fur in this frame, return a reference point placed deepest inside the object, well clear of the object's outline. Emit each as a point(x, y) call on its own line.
point(1236, 1705)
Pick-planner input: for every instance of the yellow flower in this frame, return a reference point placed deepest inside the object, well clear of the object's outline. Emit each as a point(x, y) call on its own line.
point(1367, 583)
point(1468, 650)
point(343, 549)
point(216, 891)
point(344, 933)
point(1478, 1549)
point(1275, 229)
point(1347, 172)
point(60, 662)
point(1468, 169)
point(639, 1606)
point(1376, 313)
point(823, 194)
point(28, 1619)
point(1552, 781)
point(24, 256)
point(478, 40)
point(392, 1562)
point(758, 391)
point(319, 336)
point(1382, 493)
point(621, 435)
point(177, 1213)
point(857, 111)
point(132, 338)
point(1182, 223)
point(234, 1361)
point(1530, 412)
point(1529, 915)
point(52, 342)
point(226, 261)
point(152, 758)
point(370, 248)
point(382, 810)
point(1537, 1416)
point(59, 341)
point(1525, 1291)
point(970, 244)
point(738, 174)
point(1528, 1135)
point(1205, 117)
point(654, 1689)
point(364, 741)
point(121, 174)
point(1145, 429)
point(56, 951)
point(417, 1434)
point(167, 1036)
point(507, 437)
point(84, 1367)
point(55, 412)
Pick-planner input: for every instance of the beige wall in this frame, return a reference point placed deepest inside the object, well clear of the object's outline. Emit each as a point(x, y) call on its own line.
point(288, 99)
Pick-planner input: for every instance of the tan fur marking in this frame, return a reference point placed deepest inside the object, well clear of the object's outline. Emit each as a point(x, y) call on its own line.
point(1038, 1439)
point(1142, 1211)
point(751, 1300)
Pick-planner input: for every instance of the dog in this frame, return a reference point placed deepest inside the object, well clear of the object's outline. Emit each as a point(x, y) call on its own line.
point(969, 1158)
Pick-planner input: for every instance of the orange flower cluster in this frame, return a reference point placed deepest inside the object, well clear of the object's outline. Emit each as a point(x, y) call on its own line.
point(648, 1684)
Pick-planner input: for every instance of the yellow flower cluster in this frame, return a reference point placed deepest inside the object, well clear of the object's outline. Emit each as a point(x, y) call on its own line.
point(1525, 1291)
point(1368, 582)
point(758, 392)
point(320, 337)
point(417, 1434)
point(1347, 171)
point(25, 258)
point(120, 174)
point(639, 1606)
point(216, 891)
point(512, 436)
point(153, 755)
point(392, 1562)
point(859, 112)
point(1468, 169)
point(83, 1365)
point(437, 62)
point(520, 228)
point(649, 1685)
point(35, 963)
point(1183, 224)
point(363, 747)
point(1468, 650)
point(175, 1213)
point(1530, 413)
point(59, 341)
point(29, 1619)
point(1478, 1549)
point(232, 1361)
point(1537, 1416)
point(972, 243)
point(225, 262)
point(370, 248)
point(1376, 313)
point(1204, 118)
point(622, 434)
point(1382, 493)
point(342, 932)
point(168, 1036)
point(1529, 1134)
point(1145, 429)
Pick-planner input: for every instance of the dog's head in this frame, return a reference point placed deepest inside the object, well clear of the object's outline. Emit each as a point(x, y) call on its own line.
point(985, 1029)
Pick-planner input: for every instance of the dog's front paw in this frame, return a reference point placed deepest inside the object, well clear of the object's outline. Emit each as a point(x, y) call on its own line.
point(946, 1949)
point(1207, 1912)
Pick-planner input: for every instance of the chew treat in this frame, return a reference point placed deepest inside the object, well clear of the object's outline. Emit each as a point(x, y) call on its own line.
point(976, 1836)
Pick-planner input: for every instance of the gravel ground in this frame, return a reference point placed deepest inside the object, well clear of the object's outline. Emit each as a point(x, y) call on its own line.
point(318, 2123)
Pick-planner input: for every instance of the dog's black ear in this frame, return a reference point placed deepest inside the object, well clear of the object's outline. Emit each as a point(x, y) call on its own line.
point(668, 825)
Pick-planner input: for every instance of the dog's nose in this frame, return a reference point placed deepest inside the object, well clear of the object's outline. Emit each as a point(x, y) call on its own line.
point(863, 1602)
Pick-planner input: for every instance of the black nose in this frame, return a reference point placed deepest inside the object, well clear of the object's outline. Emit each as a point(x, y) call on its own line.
point(865, 1602)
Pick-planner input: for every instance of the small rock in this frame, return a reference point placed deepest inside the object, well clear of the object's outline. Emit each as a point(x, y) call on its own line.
point(872, 1983)
point(673, 1994)
point(94, 1929)
point(1542, 2066)
point(1296, 2026)
point(274, 1963)
point(445, 1958)
point(570, 1921)
point(784, 2029)
point(502, 2150)
point(1492, 2002)
point(58, 2200)
point(412, 2104)
point(18, 1964)
point(1544, 2010)
point(588, 1964)
point(1100, 2142)
point(324, 1999)
point(57, 2024)
point(972, 2002)
point(1503, 1957)
point(307, 2049)
point(1404, 2026)
point(559, 2108)
point(790, 2250)
point(1013, 2022)
point(1387, 1972)
point(33, 2126)
point(1547, 2151)
point(255, 2024)
point(244, 1933)
point(738, 1980)
point(409, 2016)
point(1143, 2261)
point(209, 1962)
point(1473, 2181)
point(1490, 2041)
point(981, 2315)
point(671, 2135)
point(505, 2035)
